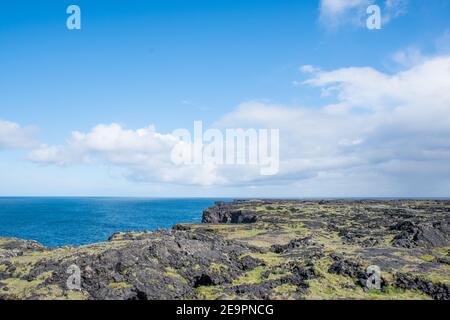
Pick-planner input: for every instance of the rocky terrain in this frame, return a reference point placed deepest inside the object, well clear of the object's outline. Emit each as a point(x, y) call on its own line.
point(258, 249)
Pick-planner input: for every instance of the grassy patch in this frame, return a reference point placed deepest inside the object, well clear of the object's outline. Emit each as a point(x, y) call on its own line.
point(119, 285)
point(270, 258)
point(285, 288)
point(22, 289)
point(217, 267)
point(208, 293)
point(251, 277)
point(390, 293)
point(243, 233)
point(427, 257)
point(172, 273)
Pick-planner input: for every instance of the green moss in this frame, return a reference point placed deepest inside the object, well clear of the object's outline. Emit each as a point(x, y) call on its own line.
point(196, 267)
point(217, 267)
point(120, 285)
point(285, 288)
point(439, 275)
point(427, 257)
point(442, 251)
point(209, 292)
point(251, 277)
point(260, 209)
point(21, 289)
point(3, 268)
point(269, 258)
point(54, 292)
point(295, 227)
point(5, 241)
point(331, 286)
point(76, 295)
point(172, 273)
point(244, 233)
point(390, 293)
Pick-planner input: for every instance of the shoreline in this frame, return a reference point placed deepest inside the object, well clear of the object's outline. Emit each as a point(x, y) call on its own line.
point(227, 200)
point(254, 249)
point(230, 200)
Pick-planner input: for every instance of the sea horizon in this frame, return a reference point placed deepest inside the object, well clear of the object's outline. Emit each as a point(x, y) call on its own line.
point(56, 221)
point(230, 198)
point(61, 221)
point(226, 197)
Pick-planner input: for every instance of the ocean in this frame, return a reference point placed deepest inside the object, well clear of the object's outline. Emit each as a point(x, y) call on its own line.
point(78, 221)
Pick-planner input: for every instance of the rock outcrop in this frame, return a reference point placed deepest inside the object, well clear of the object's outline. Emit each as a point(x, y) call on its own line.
point(431, 235)
point(223, 213)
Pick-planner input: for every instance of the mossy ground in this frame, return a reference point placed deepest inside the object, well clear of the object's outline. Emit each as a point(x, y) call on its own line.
point(281, 223)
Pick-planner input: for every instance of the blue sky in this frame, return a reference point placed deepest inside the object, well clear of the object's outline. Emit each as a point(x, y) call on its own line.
point(168, 63)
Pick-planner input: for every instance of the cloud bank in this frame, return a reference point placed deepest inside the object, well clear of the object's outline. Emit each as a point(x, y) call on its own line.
point(382, 130)
point(144, 154)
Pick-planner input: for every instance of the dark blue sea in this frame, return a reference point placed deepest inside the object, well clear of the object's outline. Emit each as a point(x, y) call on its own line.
point(78, 221)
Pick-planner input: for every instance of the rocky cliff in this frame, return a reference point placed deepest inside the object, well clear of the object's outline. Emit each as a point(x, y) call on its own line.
point(259, 249)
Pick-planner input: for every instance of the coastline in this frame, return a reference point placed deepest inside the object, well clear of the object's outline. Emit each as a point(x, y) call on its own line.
point(257, 249)
point(56, 222)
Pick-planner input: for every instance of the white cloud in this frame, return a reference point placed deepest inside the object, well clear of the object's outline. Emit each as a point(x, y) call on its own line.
point(409, 57)
point(309, 69)
point(13, 136)
point(380, 128)
point(382, 134)
point(421, 88)
point(144, 153)
point(334, 13)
